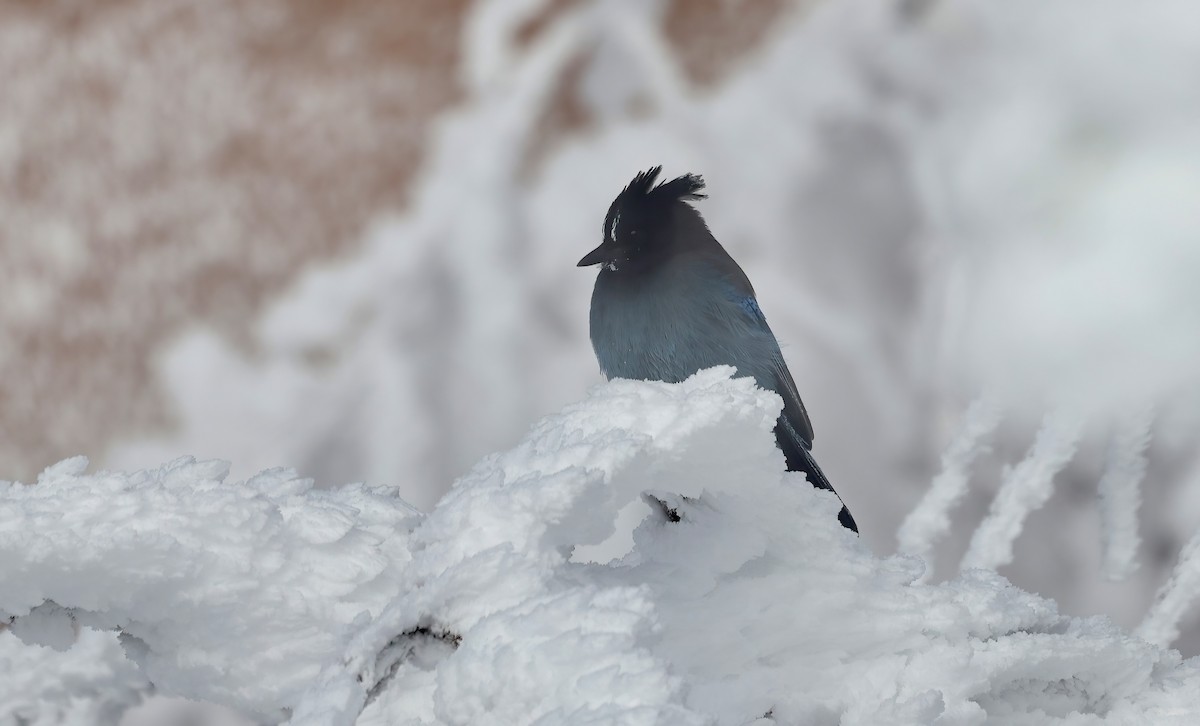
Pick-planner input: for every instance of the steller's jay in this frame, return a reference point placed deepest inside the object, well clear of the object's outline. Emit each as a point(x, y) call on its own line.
point(669, 301)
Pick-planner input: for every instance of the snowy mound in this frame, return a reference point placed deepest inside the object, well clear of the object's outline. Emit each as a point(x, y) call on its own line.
point(741, 601)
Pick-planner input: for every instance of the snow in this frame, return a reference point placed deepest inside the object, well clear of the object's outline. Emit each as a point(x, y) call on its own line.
point(200, 575)
point(92, 684)
point(742, 599)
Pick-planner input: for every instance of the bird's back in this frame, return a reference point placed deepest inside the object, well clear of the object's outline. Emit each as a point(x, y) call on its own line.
point(695, 311)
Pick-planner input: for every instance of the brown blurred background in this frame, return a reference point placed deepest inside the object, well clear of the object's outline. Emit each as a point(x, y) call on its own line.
point(168, 162)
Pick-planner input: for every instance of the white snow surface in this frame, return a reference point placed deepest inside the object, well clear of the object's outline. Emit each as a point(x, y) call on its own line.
point(92, 684)
point(211, 584)
point(344, 605)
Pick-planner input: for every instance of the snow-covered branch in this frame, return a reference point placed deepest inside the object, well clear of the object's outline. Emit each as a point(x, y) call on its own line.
point(1174, 599)
point(1120, 494)
point(1025, 489)
point(740, 594)
point(930, 520)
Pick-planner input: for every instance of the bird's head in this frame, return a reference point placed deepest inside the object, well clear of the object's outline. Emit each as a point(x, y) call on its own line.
point(646, 221)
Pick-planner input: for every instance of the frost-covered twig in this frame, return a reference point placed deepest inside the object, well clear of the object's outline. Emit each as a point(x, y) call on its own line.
point(930, 519)
point(1174, 599)
point(1026, 488)
point(641, 36)
point(402, 649)
point(1120, 495)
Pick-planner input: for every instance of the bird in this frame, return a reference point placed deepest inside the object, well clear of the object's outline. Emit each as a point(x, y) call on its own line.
point(670, 301)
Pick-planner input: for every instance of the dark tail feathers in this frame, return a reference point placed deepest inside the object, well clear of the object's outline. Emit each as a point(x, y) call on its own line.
point(801, 459)
point(816, 477)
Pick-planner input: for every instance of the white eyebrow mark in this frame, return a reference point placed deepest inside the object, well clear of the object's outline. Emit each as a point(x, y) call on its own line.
point(612, 230)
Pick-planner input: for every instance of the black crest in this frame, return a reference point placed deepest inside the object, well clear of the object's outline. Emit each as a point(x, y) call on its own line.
point(645, 220)
point(643, 205)
point(642, 193)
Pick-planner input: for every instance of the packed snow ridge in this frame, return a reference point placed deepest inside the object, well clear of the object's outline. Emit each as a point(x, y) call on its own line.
point(740, 599)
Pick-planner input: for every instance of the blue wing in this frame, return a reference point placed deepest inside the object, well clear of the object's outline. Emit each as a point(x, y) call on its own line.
point(794, 414)
point(794, 431)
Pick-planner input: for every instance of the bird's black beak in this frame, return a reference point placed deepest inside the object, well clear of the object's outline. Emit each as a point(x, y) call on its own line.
point(595, 257)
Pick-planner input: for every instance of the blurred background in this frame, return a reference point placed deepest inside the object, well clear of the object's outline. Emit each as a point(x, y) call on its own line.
point(341, 236)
